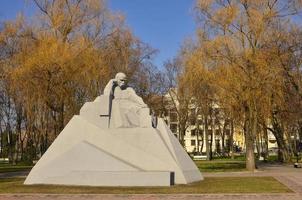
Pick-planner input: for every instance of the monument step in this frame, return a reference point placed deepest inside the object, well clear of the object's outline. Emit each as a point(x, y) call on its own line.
point(113, 178)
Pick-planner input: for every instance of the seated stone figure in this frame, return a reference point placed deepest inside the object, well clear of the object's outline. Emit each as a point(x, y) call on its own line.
point(127, 108)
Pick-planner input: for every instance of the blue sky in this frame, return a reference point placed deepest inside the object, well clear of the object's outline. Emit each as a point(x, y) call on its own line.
point(163, 24)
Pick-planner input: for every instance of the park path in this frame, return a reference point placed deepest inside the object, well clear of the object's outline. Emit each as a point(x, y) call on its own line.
point(286, 174)
point(14, 174)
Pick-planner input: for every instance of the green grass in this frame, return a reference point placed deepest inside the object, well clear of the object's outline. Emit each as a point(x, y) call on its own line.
point(204, 166)
point(209, 185)
point(221, 166)
point(274, 159)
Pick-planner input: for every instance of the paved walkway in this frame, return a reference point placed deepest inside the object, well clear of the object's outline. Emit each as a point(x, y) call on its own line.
point(286, 174)
point(14, 174)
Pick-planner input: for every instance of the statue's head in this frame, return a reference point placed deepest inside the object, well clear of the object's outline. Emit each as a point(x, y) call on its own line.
point(121, 79)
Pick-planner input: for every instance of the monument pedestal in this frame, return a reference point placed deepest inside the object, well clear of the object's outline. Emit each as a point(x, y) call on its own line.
point(87, 152)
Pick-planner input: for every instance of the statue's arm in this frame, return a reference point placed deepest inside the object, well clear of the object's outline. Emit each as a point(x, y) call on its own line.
point(137, 99)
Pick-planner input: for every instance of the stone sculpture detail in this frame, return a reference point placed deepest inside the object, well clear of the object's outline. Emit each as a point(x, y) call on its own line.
point(130, 152)
point(127, 109)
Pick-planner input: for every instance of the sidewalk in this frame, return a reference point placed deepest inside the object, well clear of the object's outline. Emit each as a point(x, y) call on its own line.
point(286, 174)
point(14, 174)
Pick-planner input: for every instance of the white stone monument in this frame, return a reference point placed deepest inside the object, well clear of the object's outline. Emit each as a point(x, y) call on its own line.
point(112, 143)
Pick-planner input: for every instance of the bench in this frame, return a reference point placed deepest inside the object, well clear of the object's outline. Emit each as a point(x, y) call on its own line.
point(199, 157)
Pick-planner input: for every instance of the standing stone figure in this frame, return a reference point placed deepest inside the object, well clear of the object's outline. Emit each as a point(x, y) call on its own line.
point(127, 108)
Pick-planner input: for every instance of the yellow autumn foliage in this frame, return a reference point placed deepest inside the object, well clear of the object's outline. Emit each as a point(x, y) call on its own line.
point(51, 64)
point(243, 57)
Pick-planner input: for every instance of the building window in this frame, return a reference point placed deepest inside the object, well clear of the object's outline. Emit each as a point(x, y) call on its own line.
point(193, 142)
point(173, 117)
point(193, 132)
point(200, 122)
point(193, 111)
point(192, 120)
point(173, 128)
point(174, 110)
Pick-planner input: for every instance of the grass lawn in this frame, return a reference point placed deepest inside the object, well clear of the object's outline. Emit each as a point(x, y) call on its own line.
point(209, 185)
point(204, 166)
point(221, 166)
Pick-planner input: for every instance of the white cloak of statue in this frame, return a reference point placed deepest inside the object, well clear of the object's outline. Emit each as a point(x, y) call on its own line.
point(127, 109)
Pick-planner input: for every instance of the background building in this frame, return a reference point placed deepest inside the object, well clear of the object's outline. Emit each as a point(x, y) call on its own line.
point(222, 135)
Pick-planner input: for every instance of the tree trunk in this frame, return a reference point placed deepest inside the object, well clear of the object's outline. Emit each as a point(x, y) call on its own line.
point(16, 151)
point(232, 140)
point(265, 137)
point(211, 146)
point(283, 150)
point(181, 134)
point(223, 140)
point(250, 158)
point(207, 138)
point(2, 142)
point(300, 134)
point(18, 146)
point(202, 141)
point(258, 146)
point(11, 147)
point(197, 134)
point(61, 117)
point(251, 130)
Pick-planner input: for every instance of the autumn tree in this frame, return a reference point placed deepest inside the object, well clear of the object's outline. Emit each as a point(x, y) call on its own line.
point(198, 80)
point(178, 98)
point(233, 37)
point(55, 62)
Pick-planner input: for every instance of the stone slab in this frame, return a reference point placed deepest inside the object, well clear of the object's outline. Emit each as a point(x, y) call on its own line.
point(111, 178)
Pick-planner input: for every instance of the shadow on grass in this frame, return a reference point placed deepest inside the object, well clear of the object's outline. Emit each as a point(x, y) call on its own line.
point(221, 166)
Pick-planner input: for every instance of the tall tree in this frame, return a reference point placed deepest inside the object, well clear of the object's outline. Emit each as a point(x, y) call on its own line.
point(178, 96)
point(233, 38)
point(55, 62)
